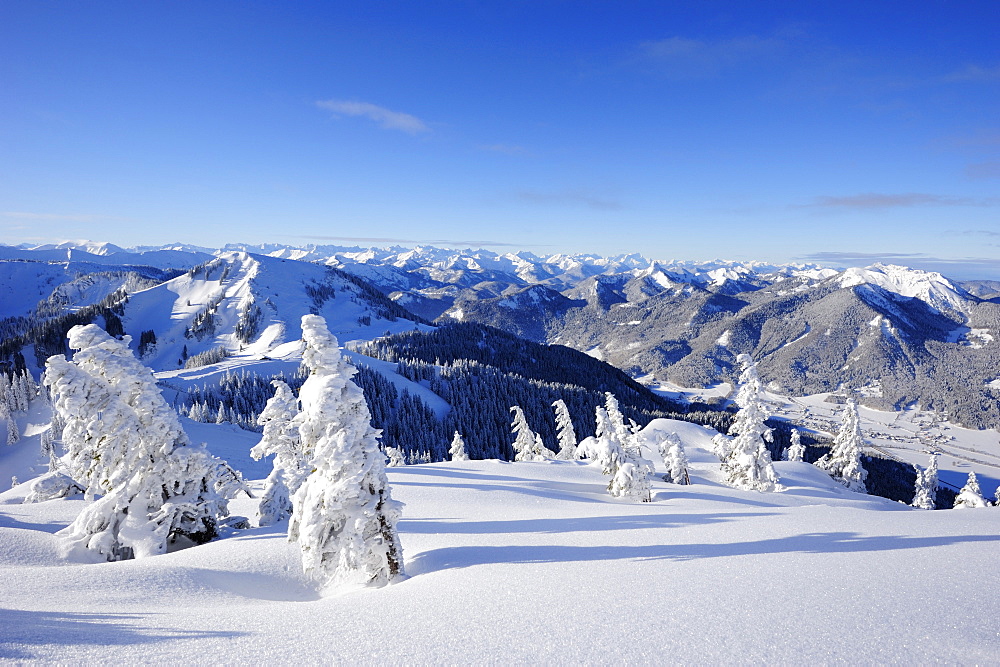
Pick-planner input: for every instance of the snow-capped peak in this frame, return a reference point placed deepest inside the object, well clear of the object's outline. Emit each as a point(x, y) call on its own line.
point(929, 286)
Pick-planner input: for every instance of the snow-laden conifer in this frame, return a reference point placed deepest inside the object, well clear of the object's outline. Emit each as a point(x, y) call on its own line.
point(970, 495)
point(925, 492)
point(122, 440)
point(564, 431)
point(275, 502)
point(527, 444)
point(607, 451)
point(795, 450)
point(675, 460)
point(457, 449)
point(395, 457)
point(631, 479)
point(747, 463)
point(843, 461)
point(13, 433)
point(344, 517)
point(290, 466)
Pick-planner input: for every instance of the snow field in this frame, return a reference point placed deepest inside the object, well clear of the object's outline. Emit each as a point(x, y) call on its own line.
point(534, 562)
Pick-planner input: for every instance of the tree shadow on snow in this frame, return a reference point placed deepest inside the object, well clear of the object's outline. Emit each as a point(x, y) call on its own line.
point(24, 629)
point(567, 524)
point(816, 543)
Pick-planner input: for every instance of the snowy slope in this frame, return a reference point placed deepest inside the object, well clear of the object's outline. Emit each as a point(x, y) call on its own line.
point(534, 562)
point(283, 291)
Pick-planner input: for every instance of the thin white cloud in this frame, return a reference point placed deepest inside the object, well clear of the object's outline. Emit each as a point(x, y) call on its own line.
point(958, 268)
point(983, 170)
point(52, 217)
point(569, 197)
point(506, 149)
point(875, 200)
point(973, 74)
point(389, 120)
point(378, 239)
point(684, 58)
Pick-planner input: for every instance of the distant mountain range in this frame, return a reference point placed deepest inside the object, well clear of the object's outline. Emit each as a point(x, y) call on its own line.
point(896, 335)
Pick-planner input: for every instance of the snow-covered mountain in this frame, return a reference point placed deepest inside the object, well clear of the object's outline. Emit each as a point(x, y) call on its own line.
point(906, 336)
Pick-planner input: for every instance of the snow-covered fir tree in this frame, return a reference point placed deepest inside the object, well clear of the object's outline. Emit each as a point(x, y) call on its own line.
point(13, 433)
point(527, 445)
point(123, 441)
point(395, 457)
point(925, 493)
point(457, 449)
point(344, 517)
point(275, 502)
point(675, 460)
point(747, 462)
point(970, 495)
point(280, 438)
point(843, 461)
point(606, 450)
point(631, 479)
point(795, 450)
point(565, 431)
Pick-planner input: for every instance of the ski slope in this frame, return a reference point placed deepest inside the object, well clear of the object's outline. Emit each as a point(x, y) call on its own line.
point(533, 562)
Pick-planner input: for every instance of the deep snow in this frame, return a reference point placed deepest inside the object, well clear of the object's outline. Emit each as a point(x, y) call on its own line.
point(534, 562)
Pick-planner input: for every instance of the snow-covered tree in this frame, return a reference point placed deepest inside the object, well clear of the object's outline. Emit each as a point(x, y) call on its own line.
point(925, 493)
point(275, 502)
point(396, 457)
point(123, 441)
point(527, 444)
point(675, 460)
point(457, 450)
point(631, 479)
point(565, 431)
point(795, 450)
point(747, 463)
point(970, 495)
point(13, 433)
point(615, 450)
point(843, 461)
point(291, 464)
point(607, 451)
point(344, 517)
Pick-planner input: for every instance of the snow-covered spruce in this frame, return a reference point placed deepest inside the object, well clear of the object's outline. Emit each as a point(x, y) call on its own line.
point(290, 465)
point(616, 450)
point(457, 449)
point(925, 493)
point(675, 460)
point(843, 461)
point(124, 441)
point(795, 450)
point(745, 460)
point(527, 444)
point(344, 517)
point(565, 431)
point(970, 495)
point(395, 456)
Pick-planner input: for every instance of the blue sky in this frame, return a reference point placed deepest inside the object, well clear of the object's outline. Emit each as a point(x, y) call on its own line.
point(781, 131)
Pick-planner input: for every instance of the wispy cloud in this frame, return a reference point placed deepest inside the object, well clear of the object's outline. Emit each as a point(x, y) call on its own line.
point(53, 217)
point(569, 198)
point(973, 74)
point(983, 170)
point(875, 200)
point(380, 239)
point(959, 268)
point(506, 149)
point(684, 58)
point(390, 120)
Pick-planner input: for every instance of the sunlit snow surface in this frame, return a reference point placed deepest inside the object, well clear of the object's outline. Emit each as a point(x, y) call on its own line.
point(534, 562)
